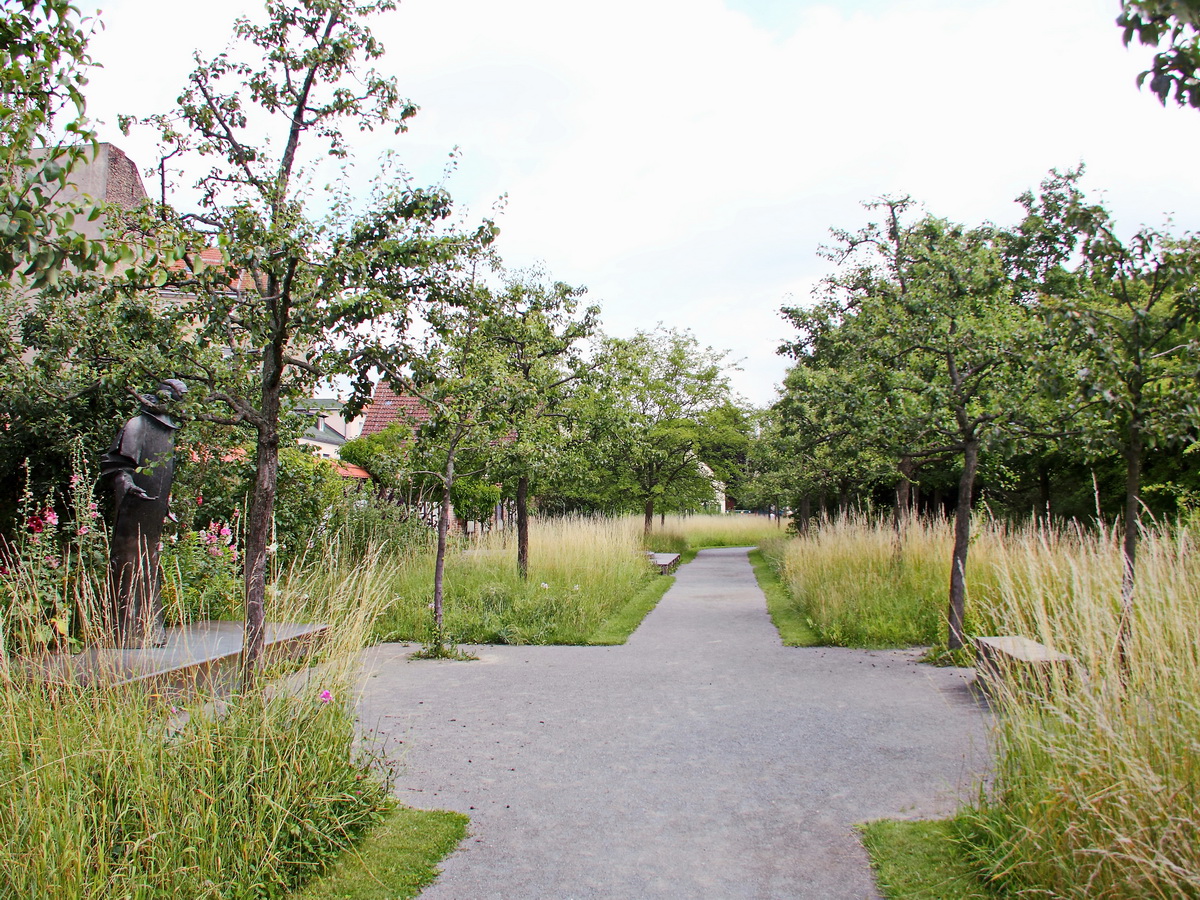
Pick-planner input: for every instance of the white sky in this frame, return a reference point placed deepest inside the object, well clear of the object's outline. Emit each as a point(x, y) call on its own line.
point(684, 159)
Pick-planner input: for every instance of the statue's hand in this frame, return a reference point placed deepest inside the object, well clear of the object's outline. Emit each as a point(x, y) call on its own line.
point(139, 493)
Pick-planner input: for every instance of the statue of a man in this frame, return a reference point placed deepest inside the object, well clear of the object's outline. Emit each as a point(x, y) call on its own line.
point(140, 466)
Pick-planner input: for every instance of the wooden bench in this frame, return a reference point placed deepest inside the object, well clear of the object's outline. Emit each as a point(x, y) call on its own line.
point(1021, 663)
point(666, 562)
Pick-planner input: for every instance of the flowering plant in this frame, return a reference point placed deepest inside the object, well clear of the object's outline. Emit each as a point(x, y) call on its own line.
point(52, 571)
point(201, 574)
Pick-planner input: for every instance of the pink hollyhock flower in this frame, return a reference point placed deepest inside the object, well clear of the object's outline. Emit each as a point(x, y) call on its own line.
point(36, 524)
point(83, 529)
point(214, 551)
point(199, 499)
point(75, 480)
point(225, 532)
point(51, 517)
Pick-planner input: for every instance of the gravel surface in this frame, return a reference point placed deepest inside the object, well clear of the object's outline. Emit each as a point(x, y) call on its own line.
point(702, 759)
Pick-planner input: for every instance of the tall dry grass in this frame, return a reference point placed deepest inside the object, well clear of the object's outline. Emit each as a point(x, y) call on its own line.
point(679, 533)
point(582, 569)
point(112, 792)
point(1097, 790)
point(857, 585)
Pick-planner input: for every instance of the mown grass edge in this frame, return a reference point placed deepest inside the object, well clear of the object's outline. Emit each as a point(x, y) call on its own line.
point(788, 619)
point(617, 628)
point(922, 860)
point(394, 861)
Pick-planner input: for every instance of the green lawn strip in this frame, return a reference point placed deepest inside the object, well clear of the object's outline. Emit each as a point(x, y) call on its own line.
point(395, 860)
point(617, 628)
point(922, 860)
point(789, 620)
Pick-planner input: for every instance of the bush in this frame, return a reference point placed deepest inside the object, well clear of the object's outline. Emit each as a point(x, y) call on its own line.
point(201, 575)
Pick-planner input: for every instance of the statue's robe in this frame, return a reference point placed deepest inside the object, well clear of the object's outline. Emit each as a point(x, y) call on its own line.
point(143, 454)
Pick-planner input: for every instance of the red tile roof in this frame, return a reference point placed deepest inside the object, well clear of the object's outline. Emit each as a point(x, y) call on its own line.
point(387, 407)
point(349, 470)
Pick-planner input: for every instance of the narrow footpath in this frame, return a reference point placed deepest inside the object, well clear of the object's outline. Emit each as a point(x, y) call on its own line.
point(700, 760)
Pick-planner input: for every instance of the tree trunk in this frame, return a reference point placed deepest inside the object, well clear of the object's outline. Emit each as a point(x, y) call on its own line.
point(523, 527)
point(439, 566)
point(262, 514)
point(662, 519)
point(962, 540)
point(1132, 517)
point(804, 520)
point(901, 511)
point(648, 525)
point(1044, 492)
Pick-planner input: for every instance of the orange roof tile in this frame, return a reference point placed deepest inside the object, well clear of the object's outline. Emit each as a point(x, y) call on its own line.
point(387, 407)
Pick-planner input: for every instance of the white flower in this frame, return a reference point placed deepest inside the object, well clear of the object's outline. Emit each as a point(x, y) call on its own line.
point(546, 586)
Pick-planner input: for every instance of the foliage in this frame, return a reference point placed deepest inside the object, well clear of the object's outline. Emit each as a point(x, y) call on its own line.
point(474, 498)
point(43, 62)
point(68, 364)
point(646, 410)
point(920, 351)
point(1126, 317)
point(201, 575)
point(1173, 27)
point(386, 455)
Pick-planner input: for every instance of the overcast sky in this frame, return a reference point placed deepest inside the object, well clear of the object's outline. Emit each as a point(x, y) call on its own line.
point(684, 159)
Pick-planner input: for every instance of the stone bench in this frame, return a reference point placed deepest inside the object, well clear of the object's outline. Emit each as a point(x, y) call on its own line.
point(1021, 663)
point(666, 562)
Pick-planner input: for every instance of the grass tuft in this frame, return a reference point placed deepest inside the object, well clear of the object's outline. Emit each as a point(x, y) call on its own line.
point(395, 861)
point(923, 860)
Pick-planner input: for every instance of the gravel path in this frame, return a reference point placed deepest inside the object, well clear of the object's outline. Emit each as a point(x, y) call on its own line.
point(700, 760)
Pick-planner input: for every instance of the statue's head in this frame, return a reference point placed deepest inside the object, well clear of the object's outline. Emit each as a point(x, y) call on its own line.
point(167, 394)
point(171, 389)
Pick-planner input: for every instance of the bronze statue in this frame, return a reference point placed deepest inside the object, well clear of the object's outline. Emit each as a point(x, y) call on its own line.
point(141, 465)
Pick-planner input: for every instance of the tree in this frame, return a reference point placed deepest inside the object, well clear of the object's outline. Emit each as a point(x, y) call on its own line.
point(294, 300)
point(654, 393)
point(1128, 319)
point(927, 313)
point(1173, 26)
point(463, 378)
point(537, 332)
point(43, 60)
